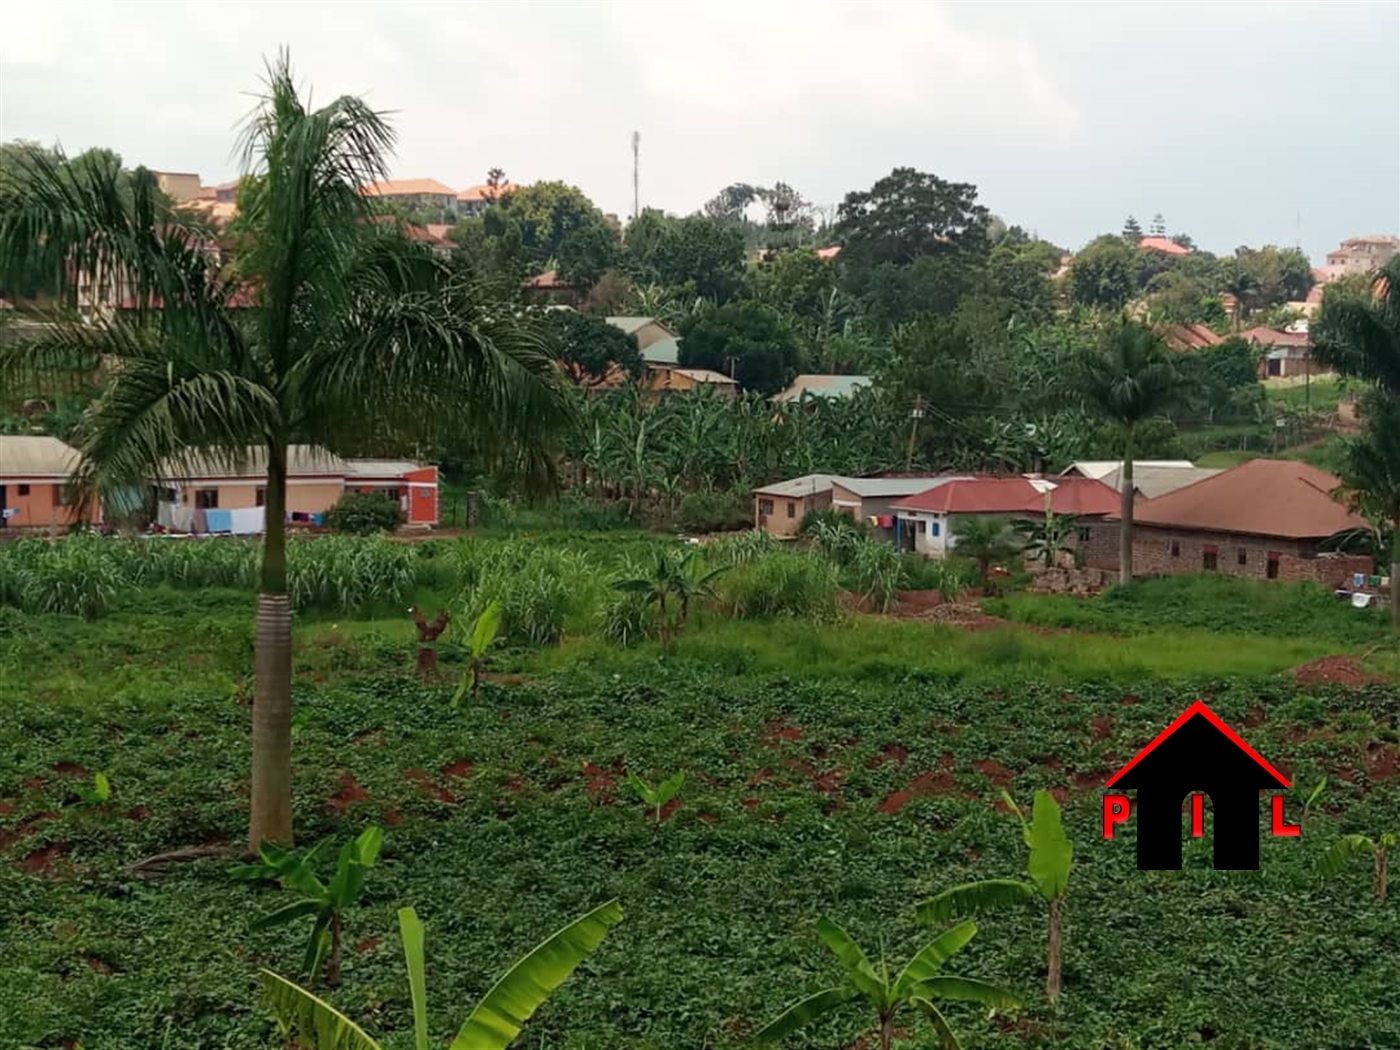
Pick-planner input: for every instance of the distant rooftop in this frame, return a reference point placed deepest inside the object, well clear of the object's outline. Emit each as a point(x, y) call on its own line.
point(408, 188)
point(823, 386)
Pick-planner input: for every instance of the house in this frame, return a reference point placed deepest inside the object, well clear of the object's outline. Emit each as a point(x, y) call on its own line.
point(551, 289)
point(316, 480)
point(179, 186)
point(416, 194)
point(840, 387)
point(1165, 245)
point(872, 500)
point(1185, 337)
point(778, 509)
point(1151, 478)
point(1283, 354)
point(830, 252)
point(35, 493)
point(663, 352)
point(224, 192)
point(1265, 518)
point(648, 330)
point(1362, 254)
point(474, 200)
point(926, 522)
point(1198, 753)
point(673, 378)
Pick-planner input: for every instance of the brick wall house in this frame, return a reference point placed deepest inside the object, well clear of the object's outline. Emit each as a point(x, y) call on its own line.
point(1159, 551)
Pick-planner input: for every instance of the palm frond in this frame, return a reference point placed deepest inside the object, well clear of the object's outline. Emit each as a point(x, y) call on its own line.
point(311, 1021)
point(974, 898)
point(966, 989)
point(853, 960)
point(940, 1023)
point(933, 955)
point(805, 1011)
point(1340, 853)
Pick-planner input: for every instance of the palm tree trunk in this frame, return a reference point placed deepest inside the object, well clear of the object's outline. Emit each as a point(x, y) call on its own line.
point(1052, 967)
point(1125, 536)
point(271, 814)
point(1395, 576)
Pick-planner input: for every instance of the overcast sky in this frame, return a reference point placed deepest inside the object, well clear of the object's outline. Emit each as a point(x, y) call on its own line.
point(1241, 123)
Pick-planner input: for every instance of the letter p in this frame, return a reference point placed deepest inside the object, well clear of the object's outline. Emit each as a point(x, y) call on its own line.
point(1116, 809)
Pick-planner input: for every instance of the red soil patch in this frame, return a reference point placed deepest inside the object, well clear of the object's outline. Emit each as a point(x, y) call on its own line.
point(601, 782)
point(6, 808)
point(938, 782)
point(896, 753)
point(24, 829)
point(1084, 781)
point(139, 813)
point(829, 783)
point(1380, 761)
point(752, 803)
point(39, 861)
point(97, 965)
point(429, 787)
point(1049, 762)
point(779, 730)
point(69, 769)
point(515, 785)
point(461, 769)
point(760, 777)
point(350, 792)
point(707, 818)
point(1332, 670)
point(994, 771)
point(1059, 794)
point(1103, 727)
point(669, 809)
point(368, 945)
point(393, 818)
point(1128, 701)
point(33, 783)
point(1254, 717)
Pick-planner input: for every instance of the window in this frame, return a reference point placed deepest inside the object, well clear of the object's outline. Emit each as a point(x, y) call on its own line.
point(936, 528)
point(260, 497)
point(66, 496)
point(921, 527)
point(1086, 534)
point(765, 506)
point(1208, 560)
point(1242, 557)
point(792, 509)
point(1176, 548)
point(23, 490)
point(206, 499)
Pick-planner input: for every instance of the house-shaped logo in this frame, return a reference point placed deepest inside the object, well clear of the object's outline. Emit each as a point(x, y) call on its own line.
point(1197, 755)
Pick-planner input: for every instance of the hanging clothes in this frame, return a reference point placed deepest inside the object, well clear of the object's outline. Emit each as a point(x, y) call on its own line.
point(219, 520)
point(247, 521)
point(886, 521)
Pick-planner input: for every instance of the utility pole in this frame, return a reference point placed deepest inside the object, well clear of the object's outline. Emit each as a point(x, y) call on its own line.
point(636, 174)
point(915, 414)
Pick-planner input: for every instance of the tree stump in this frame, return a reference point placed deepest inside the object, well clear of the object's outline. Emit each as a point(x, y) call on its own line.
point(428, 634)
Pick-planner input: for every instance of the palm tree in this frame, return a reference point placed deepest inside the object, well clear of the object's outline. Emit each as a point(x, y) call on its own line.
point(986, 541)
point(920, 986)
point(1362, 339)
point(355, 334)
point(1130, 381)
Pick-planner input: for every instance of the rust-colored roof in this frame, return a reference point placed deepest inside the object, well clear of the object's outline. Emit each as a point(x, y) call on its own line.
point(1165, 245)
point(1015, 496)
point(550, 279)
point(1188, 336)
point(829, 253)
point(408, 188)
point(1264, 497)
point(487, 192)
point(1273, 337)
point(440, 230)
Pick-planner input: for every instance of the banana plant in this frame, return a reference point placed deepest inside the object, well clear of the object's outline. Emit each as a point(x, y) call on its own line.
point(484, 630)
point(656, 797)
point(919, 986)
point(1308, 801)
point(98, 794)
point(671, 584)
point(1348, 846)
point(309, 1021)
point(326, 902)
point(1049, 865)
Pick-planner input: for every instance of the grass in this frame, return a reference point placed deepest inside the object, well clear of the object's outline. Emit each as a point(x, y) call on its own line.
point(802, 744)
point(1321, 395)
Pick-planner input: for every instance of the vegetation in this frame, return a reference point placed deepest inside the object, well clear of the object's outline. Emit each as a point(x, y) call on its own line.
point(1349, 846)
point(364, 513)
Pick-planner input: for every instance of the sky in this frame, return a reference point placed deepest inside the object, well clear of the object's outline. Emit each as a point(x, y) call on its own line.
point(1241, 123)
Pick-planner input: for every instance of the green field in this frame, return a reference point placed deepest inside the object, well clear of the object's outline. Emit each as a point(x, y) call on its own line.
point(847, 767)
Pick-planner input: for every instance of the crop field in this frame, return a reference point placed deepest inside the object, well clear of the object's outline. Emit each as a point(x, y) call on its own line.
point(836, 764)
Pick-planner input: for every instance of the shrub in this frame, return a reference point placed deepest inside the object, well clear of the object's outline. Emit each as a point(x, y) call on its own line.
point(539, 588)
point(715, 512)
point(348, 573)
point(782, 584)
point(626, 619)
point(364, 513)
point(742, 548)
point(878, 570)
point(77, 577)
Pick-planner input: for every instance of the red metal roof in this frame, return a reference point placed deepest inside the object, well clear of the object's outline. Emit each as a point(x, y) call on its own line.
point(1165, 245)
point(1014, 496)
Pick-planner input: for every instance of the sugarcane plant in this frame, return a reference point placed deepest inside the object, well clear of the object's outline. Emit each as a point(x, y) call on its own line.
point(656, 797)
point(308, 1021)
point(1049, 864)
point(919, 986)
point(326, 902)
point(484, 630)
point(1339, 855)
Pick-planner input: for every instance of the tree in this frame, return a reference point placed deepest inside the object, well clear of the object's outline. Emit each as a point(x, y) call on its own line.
point(705, 256)
point(1102, 273)
point(1132, 231)
point(592, 350)
point(492, 1025)
point(1371, 478)
point(986, 541)
point(1049, 864)
point(1049, 536)
point(747, 340)
point(1158, 227)
point(586, 253)
point(675, 580)
point(919, 986)
point(356, 334)
point(1129, 382)
point(548, 214)
point(908, 214)
point(1021, 277)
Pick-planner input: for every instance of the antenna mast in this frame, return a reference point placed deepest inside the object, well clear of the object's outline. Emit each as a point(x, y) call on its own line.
point(636, 182)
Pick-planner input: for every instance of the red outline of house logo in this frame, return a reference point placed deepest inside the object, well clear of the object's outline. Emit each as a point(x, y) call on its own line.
point(1197, 755)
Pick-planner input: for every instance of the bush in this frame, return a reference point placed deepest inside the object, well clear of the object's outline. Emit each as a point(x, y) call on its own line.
point(364, 513)
point(539, 588)
point(626, 619)
point(742, 548)
point(782, 584)
point(715, 512)
point(346, 573)
point(77, 577)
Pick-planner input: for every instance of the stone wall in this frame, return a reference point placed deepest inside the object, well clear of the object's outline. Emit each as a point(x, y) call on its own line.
point(1171, 552)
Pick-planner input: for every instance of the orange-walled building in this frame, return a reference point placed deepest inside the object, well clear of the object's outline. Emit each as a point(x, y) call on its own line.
point(34, 484)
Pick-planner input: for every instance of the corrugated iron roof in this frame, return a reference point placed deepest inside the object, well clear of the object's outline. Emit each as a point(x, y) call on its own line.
point(408, 188)
point(302, 460)
point(823, 386)
point(1015, 496)
point(36, 455)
